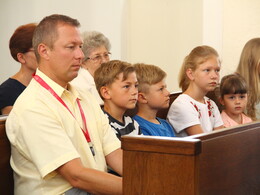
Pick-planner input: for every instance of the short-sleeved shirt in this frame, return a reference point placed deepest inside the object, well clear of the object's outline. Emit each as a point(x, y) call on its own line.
point(186, 112)
point(229, 122)
point(9, 92)
point(129, 127)
point(85, 82)
point(44, 135)
point(149, 128)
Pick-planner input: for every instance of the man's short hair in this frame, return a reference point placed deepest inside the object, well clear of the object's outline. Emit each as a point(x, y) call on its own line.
point(46, 31)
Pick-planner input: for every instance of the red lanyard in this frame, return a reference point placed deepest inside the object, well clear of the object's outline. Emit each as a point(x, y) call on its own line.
point(46, 86)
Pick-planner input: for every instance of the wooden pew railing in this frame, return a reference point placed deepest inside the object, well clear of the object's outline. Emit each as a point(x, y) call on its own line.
point(225, 162)
point(6, 173)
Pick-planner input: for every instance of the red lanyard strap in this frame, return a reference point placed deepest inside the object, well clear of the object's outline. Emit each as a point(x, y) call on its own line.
point(84, 121)
point(46, 86)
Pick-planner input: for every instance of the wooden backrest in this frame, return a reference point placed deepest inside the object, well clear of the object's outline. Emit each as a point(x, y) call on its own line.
point(230, 161)
point(6, 173)
point(225, 162)
point(163, 112)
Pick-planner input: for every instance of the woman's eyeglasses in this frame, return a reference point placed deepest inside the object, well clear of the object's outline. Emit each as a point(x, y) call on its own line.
point(98, 58)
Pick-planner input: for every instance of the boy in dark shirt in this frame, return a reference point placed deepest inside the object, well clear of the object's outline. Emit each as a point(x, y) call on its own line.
point(117, 85)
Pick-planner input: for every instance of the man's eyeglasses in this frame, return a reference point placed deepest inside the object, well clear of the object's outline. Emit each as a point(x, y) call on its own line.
point(98, 58)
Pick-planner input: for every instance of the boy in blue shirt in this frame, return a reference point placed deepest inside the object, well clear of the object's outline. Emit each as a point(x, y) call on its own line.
point(152, 96)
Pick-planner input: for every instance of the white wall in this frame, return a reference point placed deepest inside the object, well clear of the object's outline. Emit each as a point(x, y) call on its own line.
point(241, 22)
point(101, 15)
point(160, 32)
point(163, 32)
point(213, 24)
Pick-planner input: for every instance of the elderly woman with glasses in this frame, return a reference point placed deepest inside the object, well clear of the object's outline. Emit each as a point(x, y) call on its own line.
point(96, 49)
point(20, 45)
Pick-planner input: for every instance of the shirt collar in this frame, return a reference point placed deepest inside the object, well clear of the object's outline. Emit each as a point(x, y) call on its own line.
point(59, 90)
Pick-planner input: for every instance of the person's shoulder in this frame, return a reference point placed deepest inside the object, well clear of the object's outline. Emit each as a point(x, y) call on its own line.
point(138, 119)
point(11, 83)
point(84, 94)
point(10, 90)
point(163, 121)
point(83, 81)
point(211, 104)
point(183, 97)
point(246, 118)
point(181, 101)
point(224, 115)
point(111, 119)
point(130, 119)
point(207, 99)
point(6, 83)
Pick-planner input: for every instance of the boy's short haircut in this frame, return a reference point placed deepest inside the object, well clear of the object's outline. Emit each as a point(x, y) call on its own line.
point(108, 72)
point(148, 75)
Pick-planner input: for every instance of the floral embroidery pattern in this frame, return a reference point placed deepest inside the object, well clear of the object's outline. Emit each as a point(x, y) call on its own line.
point(209, 106)
point(196, 107)
point(210, 109)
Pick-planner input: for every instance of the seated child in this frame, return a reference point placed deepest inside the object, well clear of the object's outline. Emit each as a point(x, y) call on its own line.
point(152, 96)
point(233, 92)
point(117, 85)
point(192, 112)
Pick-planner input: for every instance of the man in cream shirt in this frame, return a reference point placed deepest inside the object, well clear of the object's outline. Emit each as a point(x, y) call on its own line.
point(61, 141)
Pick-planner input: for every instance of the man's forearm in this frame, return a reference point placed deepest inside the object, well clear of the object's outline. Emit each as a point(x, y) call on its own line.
point(90, 180)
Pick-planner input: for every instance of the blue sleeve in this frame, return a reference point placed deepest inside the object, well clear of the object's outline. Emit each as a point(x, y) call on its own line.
point(142, 125)
point(168, 127)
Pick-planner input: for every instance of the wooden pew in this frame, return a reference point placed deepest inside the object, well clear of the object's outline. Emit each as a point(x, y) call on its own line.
point(6, 173)
point(224, 162)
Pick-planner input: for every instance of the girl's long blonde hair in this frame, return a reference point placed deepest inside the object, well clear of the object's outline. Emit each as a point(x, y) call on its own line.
point(196, 57)
point(249, 68)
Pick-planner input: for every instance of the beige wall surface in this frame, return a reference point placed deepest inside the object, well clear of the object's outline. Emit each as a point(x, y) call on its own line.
point(241, 22)
point(101, 15)
point(160, 32)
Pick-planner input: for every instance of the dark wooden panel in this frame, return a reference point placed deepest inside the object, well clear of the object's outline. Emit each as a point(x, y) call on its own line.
point(230, 161)
point(163, 112)
point(225, 162)
point(184, 146)
point(152, 166)
point(6, 173)
point(165, 173)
